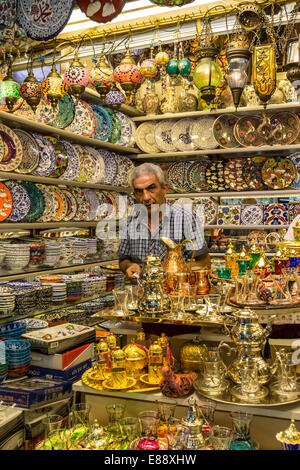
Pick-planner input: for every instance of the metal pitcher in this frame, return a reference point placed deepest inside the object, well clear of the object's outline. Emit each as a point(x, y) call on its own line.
point(174, 263)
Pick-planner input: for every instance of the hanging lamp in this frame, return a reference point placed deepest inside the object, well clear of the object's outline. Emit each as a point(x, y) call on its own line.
point(128, 74)
point(76, 77)
point(102, 77)
point(53, 86)
point(9, 89)
point(30, 90)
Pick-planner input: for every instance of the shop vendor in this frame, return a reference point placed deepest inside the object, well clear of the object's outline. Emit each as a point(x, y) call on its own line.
point(153, 217)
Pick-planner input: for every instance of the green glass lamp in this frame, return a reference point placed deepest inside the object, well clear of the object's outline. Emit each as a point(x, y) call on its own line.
point(9, 89)
point(207, 76)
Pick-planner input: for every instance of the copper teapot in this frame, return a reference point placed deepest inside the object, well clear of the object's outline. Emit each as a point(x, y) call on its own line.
point(176, 269)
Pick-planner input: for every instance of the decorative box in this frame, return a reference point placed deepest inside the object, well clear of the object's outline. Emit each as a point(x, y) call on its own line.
point(63, 361)
point(72, 373)
point(252, 214)
point(229, 215)
point(276, 214)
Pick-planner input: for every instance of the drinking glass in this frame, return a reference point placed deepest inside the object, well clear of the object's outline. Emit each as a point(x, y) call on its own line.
point(148, 421)
point(166, 411)
point(81, 414)
point(115, 416)
point(212, 304)
point(213, 376)
point(52, 423)
point(249, 379)
point(241, 436)
point(220, 437)
point(207, 409)
point(56, 440)
point(120, 295)
point(129, 427)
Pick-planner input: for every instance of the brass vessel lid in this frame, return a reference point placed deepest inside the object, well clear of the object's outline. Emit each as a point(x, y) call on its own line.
point(117, 355)
point(102, 347)
point(155, 349)
point(289, 435)
point(133, 351)
point(243, 255)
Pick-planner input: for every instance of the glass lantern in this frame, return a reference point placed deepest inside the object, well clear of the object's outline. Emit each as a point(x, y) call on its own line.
point(207, 76)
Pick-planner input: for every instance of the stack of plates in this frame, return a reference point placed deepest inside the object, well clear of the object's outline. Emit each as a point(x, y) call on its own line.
point(25, 301)
point(18, 357)
point(88, 287)
point(35, 324)
point(99, 284)
point(92, 247)
point(37, 253)
point(44, 296)
point(74, 289)
point(7, 301)
point(17, 256)
point(53, 251)
point(13, 330)
point(81, 249)
point(59, 293)
point(3, 371)
point(76, 316)
point(67, 251)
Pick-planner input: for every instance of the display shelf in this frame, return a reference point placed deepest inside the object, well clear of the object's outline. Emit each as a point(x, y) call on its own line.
point(245, 227)
point(237, 194)
point(292, 106)
point(40, 225)
point(19, 122)
point(91, 95)
point(5, 175)
point(219, 255)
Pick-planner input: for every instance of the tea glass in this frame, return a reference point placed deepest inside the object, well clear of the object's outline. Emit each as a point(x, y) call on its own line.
point(212, 304)
point(220, 437)
point(129, 427)
point(120, 295)
point(52, 423)
point(167, 411)
point(213, 375)
point(249, 379)
point(81, 414)
point(115, 416)
point(148, 421)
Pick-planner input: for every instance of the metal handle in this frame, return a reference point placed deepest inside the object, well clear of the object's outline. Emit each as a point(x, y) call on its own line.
point(191, 241)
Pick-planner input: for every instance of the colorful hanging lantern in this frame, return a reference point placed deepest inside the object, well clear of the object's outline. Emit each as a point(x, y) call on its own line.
point(162, 58)
point(184, 67)
point(77, 77)
point(30, 90)
point(54, 87)
point(148, 68)
point(128, 74)
point(102, 77)
point(114, 98)
point(264, 71)
point(9, 89)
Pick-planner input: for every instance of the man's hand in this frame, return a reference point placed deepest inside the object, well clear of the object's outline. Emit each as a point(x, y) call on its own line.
point(133, 269)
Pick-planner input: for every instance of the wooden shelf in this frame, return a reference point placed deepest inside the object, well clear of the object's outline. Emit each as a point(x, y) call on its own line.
point(60, 181)
point(246, 227)
point(237, 194)
point(215, 112)
point(44, 225)
point(19, 122)
point(92, 95)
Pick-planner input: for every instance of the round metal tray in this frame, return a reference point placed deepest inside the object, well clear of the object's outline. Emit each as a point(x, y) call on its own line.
point(264, 307)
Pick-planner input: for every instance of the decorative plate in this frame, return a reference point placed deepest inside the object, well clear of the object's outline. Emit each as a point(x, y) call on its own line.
point(145, 137)
point(14, 154)
point(207, 207)
point(44, 112)
point(61, 157)
point(276, 214)
point(295, 158)
point(111, 166)
point(94, 203)
point(202, 133)
point(196, 176)
point(51, 204)
point(129, 167)
point(104, 122)
point(84, 122)
point(47, 156)
point(214, 175)
point(66, 112)
point(72, 170)
point(162, 136)
point(6, 202)
point(101, 11)
point(252, 214)
point(286, 128)
point(31, 152)
point(116, 127)
point(233, 174)
point(127, 128)
point(258, 237)
point(177, 176)
point(122, 171)
point(87, 167)
point(245, 131)
point(21, 201)
point(83, 204)
point(111, 205)
point(37, 202)
point(223, 130)
point(62, 204)
point(252, 172)
point(43, 20)
point(71, 204)
point(181, 135)
point(229, 215)
point(100, 167)
point(278, 172)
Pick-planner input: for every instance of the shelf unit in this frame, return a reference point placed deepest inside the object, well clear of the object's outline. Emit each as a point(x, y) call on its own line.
point(237, 194)
point(246, 227)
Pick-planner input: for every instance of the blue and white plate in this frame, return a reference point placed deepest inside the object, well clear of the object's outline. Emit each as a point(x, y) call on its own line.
point(21, 201)
point(100, 166)
point(35, 324)
point(162, 136)
point(84, 122)
point(128, 128)
point(47, 156)
point(252, 214)
point(111, 166)
point(104, 122)
point(72, 170)
point(122, 171)
point(295, 158)
point(43, 20)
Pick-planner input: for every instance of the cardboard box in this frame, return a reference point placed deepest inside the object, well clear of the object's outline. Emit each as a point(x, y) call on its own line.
point(71, 373)
point(30, 392)
point(62, 361)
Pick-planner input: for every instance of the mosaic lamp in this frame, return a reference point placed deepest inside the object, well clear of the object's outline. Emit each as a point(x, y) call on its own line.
point(9, 89)
point(77, 77)
point(128, 74)
point(54, 87)
point(102, 77)
point(30, 91)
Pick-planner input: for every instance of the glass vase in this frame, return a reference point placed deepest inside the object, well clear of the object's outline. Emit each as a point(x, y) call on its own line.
point(241, 436)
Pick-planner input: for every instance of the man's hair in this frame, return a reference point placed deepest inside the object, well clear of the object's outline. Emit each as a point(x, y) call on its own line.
point(148, 168)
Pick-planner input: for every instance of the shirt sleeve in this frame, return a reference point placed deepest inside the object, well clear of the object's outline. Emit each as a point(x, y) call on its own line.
point(194, 230)
point(124, 251)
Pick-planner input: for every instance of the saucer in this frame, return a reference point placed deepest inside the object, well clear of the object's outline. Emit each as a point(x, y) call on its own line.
point(202, 386)
point(236, 391)
point(108, 384)
point(275, 388)
point(144, 378)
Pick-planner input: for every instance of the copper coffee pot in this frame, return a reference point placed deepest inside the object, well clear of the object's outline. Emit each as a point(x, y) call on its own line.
point(174, 264)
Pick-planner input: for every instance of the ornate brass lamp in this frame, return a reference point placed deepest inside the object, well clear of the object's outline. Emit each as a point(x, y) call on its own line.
point(264, 71)
point(54, 87)
point(30, 90)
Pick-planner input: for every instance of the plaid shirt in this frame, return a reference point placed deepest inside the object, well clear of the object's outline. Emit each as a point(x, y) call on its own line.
point(178, 224)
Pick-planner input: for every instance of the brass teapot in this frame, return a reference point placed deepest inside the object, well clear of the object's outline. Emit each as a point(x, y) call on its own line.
point(174, 264)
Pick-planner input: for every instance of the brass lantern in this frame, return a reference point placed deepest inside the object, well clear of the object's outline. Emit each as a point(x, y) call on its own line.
point(264, 71)
point(30, 90)
point(54, 87)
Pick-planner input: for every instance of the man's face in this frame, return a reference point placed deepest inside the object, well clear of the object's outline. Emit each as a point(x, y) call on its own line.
point(148, 190)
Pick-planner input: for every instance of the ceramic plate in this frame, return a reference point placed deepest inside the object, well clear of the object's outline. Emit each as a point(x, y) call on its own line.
point(233, 174)
point(252, 172)
point(51, 203)
point(162, 136)
point(202, 133)
point(62, 204)
point(101, 11)
point(278, 172)
point(66, 112)
point(229, 214)
point(252, 214)
point(181, 135)
point(276, 214)
point(214, 175)
point(84, 122)
point(258, 237)
point(71, 204)
point(44, 112)
point(245, 131)
point(87, 167)
point(31, 152)
point(83, 204)
point(37, 202)
point(223, 130)
point(286, 128)
point(122, 171)
point(116, 127)
point(47, 156)
point(13, 154)
point(72, 170)
point(6, 202)
point(104, 122)
point(295, 158)
point(21, 201)
point(61, 156)
point(145, 137)
point(127, 128)
point(206, 208)
point(94, 203)
point(177, 176)
point(196, 176)
point(43, 20)
point(111, 166)
point(100, 166)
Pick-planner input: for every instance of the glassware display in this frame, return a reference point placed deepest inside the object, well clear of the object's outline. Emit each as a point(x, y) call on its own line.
point(220, 437)
point(52, 423)
point(115, 416)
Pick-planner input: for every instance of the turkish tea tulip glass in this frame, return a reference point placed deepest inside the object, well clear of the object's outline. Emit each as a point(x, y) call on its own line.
point(148, 423)
point(212, 304)
point(52, 423)
point(213, 375)
point(220, 437)
point(166, 411)
point(115, 416)
point(81, 414)
point(249, 379)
